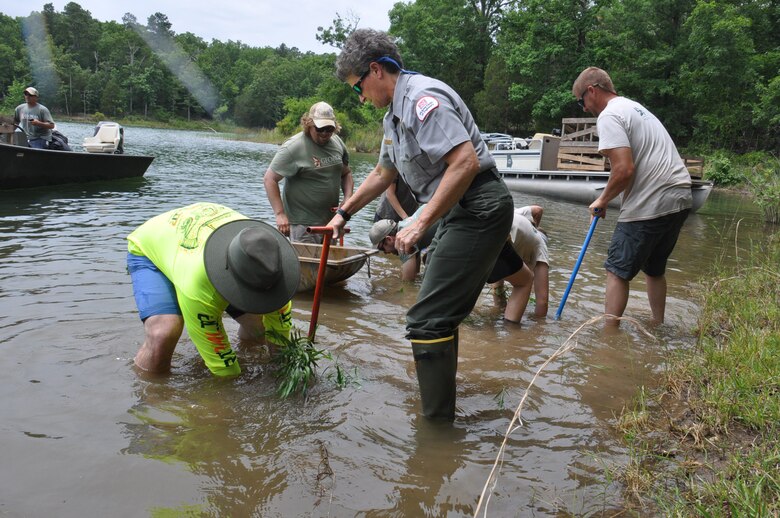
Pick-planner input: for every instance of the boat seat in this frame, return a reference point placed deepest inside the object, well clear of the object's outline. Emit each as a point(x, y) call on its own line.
point(105, 141)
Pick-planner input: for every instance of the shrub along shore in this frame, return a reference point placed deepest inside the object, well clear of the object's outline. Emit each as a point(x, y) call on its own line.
point(707, 442)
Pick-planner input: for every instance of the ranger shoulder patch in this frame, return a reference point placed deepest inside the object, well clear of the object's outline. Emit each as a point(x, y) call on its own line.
point(425, 105)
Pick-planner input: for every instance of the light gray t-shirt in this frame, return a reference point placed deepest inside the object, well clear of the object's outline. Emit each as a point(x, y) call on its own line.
point(661, 184)
point(24, 114)
point(527, 241)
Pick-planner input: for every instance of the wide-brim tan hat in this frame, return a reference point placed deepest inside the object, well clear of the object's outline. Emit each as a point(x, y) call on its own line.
point(252, 265)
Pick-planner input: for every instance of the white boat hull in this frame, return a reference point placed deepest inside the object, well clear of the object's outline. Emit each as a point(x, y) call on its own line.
point(580, 186)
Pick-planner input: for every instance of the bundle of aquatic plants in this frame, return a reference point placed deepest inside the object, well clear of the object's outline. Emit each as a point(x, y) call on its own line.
point(295, 362)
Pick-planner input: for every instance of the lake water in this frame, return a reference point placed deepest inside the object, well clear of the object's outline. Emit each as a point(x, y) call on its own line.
point(84, 435)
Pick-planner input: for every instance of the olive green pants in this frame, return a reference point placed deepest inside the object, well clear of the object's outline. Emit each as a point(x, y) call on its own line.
point(460, 258)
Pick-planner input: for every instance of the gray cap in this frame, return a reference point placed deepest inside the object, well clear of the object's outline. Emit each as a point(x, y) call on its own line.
point(380, 230)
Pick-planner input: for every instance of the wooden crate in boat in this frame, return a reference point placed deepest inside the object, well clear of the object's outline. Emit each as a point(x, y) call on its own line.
point(343, 263)
point(578, 149)
point(695, 165)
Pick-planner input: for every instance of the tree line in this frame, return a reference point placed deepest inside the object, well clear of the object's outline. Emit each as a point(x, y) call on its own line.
point(710, 70)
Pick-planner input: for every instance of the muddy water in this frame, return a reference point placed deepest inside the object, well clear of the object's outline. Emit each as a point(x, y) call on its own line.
point(84, 435)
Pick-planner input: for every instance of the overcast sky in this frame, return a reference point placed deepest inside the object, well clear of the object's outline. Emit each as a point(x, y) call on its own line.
point(258, 23)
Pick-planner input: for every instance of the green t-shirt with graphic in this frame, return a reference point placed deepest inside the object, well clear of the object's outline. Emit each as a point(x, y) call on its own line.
point(174, 242)
point(312, 177)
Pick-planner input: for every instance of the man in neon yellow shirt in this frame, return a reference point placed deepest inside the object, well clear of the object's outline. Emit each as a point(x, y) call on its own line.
point(190, 265)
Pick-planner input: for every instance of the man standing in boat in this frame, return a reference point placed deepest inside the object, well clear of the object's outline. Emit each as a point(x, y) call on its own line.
point(313, 164)
point(34, 119)
point(431, 139)
point(647, 169)
point(190, 265)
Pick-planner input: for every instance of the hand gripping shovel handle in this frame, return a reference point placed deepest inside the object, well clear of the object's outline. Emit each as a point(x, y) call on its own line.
point(577, 265)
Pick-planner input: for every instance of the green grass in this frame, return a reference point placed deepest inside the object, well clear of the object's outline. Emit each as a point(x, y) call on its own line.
point(707, 443)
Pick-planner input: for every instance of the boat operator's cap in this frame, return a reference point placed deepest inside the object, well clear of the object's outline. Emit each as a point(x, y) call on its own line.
point(252, 265)
point(380, 230)
point(322, 114)
point(31, 91)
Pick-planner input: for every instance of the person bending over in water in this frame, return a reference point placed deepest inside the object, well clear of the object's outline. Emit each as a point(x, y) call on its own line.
point(190, 265)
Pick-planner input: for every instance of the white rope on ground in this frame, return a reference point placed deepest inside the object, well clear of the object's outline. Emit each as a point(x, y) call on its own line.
point(567, 346)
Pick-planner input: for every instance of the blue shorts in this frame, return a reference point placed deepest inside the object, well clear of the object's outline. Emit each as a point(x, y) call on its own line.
point(154, 293)
point(644, 245)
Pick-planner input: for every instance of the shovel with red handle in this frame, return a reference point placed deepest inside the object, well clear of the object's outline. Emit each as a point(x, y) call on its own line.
point(315, 307)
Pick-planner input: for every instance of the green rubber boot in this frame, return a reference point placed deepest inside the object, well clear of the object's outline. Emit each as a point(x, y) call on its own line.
point(436, 362)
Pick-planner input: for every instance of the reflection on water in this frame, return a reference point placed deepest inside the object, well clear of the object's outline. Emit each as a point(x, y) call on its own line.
point(93, 438)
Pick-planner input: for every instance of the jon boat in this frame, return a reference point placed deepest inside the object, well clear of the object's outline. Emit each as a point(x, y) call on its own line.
point(343, 263)
point(22, 166)
point(530, 166)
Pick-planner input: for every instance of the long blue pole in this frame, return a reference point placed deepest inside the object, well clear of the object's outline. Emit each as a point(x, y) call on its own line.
point(577, 267)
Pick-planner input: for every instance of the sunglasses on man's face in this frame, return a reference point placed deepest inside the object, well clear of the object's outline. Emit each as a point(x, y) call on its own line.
point(357, 87)
point(581, 100)
point(326, 129)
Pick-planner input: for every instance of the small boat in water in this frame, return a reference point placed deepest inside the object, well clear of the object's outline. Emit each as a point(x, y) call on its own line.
point(22, 166)
point(530, 166)
point(343, 263)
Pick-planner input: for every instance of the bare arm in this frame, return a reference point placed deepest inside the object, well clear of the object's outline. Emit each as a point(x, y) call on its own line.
point(462, 167)
point(271, 182)
point(536, 214)
point(375, 184)
point(410, 268)
point(622, 171)
point(392, 198)
point(42, 124)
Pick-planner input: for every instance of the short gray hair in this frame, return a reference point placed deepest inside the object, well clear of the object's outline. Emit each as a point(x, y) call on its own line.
point(591, 76)
point(363, 47)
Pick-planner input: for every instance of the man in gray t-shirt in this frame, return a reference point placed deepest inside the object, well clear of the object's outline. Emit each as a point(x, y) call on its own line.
point(655, 186)
point(314, 164)
point(34, 119)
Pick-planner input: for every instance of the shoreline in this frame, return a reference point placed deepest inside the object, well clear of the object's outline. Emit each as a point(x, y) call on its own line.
point(706, 440)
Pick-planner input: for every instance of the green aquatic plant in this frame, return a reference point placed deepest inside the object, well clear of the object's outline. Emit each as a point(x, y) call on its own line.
point(296, 361)
point(342, 377)
point(500, 398)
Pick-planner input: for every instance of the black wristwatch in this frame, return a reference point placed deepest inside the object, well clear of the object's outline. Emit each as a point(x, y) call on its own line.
point(344, 214)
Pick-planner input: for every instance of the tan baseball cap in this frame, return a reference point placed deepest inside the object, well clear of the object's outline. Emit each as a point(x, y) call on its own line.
point(31, 91)
point(322, 114)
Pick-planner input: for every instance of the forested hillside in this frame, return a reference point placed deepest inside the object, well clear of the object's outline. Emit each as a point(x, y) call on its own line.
point(709, 69)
